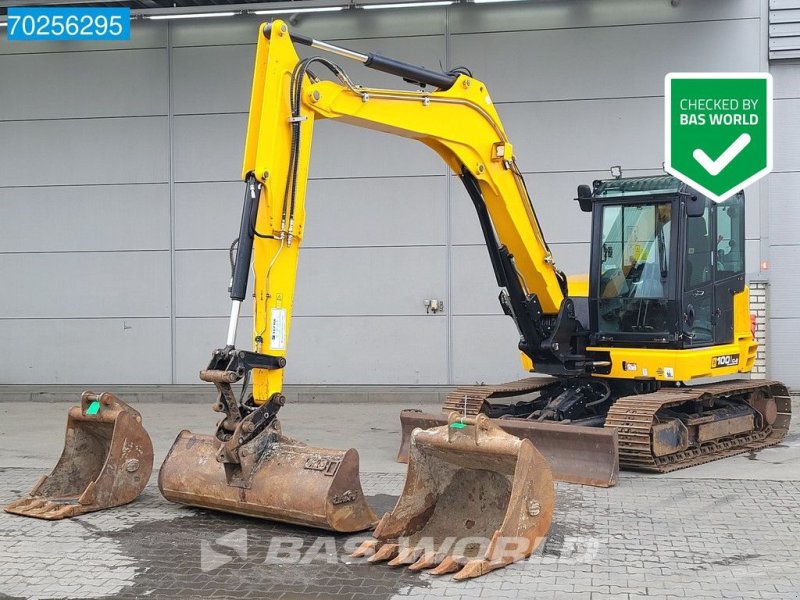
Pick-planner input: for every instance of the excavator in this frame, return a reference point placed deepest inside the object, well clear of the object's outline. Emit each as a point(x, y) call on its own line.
point(623, 357)
point(635, 364)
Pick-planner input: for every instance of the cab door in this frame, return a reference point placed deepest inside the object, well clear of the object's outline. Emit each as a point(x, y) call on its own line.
point(698, 302)
point(728, 263)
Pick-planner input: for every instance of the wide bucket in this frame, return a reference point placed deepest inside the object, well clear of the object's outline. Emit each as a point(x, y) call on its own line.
point(278, 479)
point(106, 462)
point(475, 499)
point(576, 454)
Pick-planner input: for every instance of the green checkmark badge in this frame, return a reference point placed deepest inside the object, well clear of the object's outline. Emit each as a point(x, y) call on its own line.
point(718, 130)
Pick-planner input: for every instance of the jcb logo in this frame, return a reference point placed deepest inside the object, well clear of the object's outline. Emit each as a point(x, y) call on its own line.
point(726, 360)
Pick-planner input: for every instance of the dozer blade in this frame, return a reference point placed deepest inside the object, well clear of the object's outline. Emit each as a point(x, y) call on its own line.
point(576, 454)
point(277, 478)
point(475, 499)
point(106, 462)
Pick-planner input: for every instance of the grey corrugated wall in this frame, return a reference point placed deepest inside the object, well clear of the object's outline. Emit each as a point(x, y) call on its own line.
point(119, 189)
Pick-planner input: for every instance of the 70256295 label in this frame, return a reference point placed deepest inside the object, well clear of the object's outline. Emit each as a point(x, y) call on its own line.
point(67, 23)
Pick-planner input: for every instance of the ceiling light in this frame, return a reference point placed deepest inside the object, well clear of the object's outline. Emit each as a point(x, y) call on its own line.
point(408, 4)
point(189, 15)
point(282, 11)
point(493, 1)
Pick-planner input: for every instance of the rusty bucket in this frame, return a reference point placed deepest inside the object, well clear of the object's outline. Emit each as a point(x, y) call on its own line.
point(106, 462)
point(275, 478)
point(475, 499)
point(576, 454)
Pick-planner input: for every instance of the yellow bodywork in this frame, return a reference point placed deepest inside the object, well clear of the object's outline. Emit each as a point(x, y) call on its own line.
point(462, 126)
point(670, 364)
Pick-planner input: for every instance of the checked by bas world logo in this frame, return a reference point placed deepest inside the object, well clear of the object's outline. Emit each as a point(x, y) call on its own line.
point(718, 130)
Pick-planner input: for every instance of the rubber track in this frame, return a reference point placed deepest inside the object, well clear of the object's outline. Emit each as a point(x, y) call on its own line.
point(469, 400)
point(634, 417)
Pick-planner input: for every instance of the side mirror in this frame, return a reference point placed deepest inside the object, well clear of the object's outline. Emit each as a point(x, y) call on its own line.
point(585, 198)
point(695, 206)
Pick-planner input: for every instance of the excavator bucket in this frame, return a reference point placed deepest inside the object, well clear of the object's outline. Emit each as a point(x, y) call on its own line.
point(276, 478)
point(475, 499)
point(106, 462)
point(576, 454)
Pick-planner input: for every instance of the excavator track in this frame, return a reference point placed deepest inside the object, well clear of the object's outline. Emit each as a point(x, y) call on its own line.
point(634, 416)
point(470, 400)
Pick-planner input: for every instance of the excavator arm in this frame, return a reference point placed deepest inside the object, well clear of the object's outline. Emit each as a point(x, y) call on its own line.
point(467, 478)
point(458, 121)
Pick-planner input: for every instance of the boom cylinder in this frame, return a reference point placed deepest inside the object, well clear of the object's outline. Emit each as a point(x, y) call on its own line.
point(378, 62)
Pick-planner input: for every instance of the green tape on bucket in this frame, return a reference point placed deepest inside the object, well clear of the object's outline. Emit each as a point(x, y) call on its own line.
point(93, 408)
point(457, 425)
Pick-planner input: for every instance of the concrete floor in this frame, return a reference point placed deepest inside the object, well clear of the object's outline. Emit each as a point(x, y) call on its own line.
point(726, 529)
point(31, 436)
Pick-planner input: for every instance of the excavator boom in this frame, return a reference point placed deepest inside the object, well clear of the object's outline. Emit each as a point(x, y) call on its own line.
point(463, 466)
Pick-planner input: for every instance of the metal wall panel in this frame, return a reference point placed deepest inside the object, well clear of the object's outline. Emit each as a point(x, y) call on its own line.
point(569, 64)
point(784, 209)
point(144, 34)
point(209, 147)
point(586, 135)
point(386, 281)
point(485, 350)
point(331, 281)
point(327, 26)
point(471, 18)
point(207, 215)
point(786, 79)
point(85, 284)
point(88, 352)
point(80, 81)
point(786, 151)
point(474, 288)
point(784, 293)
point(376, 211)
point(336, 350)
point(201, 285)
point(217, 79)
point(379, 211)
point(84, 151)
point(84, 218)
point(553, 198)
point(782, 350)
point(369, 192)
point(211, 79)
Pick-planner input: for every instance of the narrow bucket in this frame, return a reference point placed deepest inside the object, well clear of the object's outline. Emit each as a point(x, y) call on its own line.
point(475, 499)
point(106, 462)
point(277, 478)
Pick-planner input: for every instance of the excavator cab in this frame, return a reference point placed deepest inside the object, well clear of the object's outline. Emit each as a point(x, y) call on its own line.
point(666, 263)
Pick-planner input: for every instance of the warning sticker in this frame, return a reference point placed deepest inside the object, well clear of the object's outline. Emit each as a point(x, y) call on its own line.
point(277, 331)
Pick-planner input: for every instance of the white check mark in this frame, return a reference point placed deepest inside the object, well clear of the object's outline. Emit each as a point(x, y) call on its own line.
point(714, 167)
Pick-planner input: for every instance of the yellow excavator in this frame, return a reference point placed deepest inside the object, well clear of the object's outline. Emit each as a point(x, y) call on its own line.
point(635, 363)
point(665, 304)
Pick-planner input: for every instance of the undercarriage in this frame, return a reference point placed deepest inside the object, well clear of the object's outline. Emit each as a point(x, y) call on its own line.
point(583, 424)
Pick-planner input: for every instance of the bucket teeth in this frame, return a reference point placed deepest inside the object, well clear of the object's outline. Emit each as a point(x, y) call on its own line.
point(367, 548)
point(385, 552)
point(41, 508)
point(406, 556)
point(448, 565)
point(427, 561)
point(476, 568)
